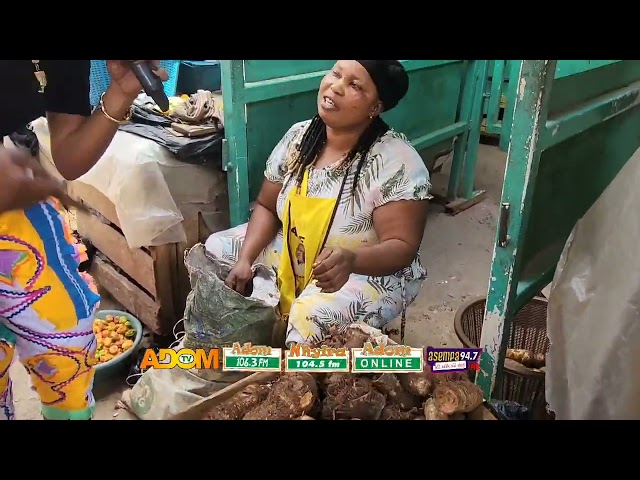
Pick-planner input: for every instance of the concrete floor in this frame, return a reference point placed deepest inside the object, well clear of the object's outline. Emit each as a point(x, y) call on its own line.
point(456, 251)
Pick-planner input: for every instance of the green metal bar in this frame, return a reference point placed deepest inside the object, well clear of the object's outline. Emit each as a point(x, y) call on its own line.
point(587, 116)
point(475, 131)
point(292, 85)
point(530, 287)
point(282, 87)
point(495, 97)
point(512, 90)
point(232, 75)
point(530, 111)
point(469, 87)
point(438, 136)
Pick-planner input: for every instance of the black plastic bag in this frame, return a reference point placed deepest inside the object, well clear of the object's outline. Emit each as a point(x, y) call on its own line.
point(196, 151)
point(506, 410)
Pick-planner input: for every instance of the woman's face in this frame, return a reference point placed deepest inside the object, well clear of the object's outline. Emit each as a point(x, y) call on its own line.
point(347, 97)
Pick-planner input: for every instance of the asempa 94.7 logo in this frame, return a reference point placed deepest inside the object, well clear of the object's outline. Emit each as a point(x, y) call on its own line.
point(449, 360)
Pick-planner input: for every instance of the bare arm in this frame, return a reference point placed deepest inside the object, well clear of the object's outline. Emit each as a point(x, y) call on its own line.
point(78, 137)
point(78, 142)
point(264, 223)
point(400, 228)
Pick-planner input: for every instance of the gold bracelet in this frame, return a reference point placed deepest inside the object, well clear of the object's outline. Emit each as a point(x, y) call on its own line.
point(104, 112)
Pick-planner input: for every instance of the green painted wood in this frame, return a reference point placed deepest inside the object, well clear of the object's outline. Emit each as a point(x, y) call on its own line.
point(260, 70)
point(235, 151)
point(466, 100)
point(275, 94)
point(520, 176)
point(513, 68)
point(568, 93)
point(475, 131)
point(594, 71)
point(567, 68)
point(590, 114)
point(552, 180)
point(497, 86)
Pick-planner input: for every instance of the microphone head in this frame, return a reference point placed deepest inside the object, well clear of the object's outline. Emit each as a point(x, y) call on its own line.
point(161, 100)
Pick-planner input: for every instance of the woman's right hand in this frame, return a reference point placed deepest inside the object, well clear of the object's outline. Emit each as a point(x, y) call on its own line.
point(23, 181)
point(239, 277)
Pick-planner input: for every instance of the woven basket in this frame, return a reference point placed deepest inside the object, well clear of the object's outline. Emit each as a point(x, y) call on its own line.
point(528, 331)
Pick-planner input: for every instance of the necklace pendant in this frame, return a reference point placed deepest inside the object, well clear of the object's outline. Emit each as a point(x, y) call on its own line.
point(42, 80)
point(40, 75)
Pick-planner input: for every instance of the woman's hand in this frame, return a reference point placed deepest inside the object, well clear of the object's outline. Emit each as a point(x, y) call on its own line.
point(332, 268)
point(239, 277)
point(24, 182)
point(125, 80)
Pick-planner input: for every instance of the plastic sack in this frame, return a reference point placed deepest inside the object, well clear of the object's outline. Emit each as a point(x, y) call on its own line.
point(216, 315)
point(152, 192)
point(160, 394)
point(593, 315)
point(196, 151)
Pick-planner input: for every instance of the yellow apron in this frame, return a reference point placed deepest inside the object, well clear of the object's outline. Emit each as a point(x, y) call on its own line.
point(306, 222)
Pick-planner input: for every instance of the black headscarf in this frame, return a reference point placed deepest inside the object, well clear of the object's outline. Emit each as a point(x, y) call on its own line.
point(390, 79)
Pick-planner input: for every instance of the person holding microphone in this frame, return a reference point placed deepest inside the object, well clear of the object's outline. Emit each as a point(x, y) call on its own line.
point(46, 305)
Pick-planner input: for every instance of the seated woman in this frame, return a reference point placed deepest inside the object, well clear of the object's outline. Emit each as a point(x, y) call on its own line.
point(342, 209)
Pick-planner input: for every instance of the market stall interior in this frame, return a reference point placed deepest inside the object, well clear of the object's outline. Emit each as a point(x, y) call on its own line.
point(170, 180)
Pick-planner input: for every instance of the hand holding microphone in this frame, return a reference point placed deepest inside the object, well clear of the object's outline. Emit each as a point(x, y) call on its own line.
point(131, 76)
point(151, 83)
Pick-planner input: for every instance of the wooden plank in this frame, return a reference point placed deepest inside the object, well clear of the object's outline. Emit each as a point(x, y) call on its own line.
point(198, 410)
point(135, 262)
point(196, 231)
point(165, 268)
point(127, 294)
point(183, 287)
point(458, 205)
point(93, 198)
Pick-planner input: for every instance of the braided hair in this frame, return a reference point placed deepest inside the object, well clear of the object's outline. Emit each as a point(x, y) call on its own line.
point(315, 138)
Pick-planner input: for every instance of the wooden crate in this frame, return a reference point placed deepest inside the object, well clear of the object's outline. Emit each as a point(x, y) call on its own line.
point(152, 283)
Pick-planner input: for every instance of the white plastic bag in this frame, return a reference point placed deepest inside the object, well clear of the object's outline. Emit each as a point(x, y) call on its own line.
point(594, 310)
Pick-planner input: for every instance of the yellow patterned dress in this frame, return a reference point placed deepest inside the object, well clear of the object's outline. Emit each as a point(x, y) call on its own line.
point(393, 171)
point(46, 312)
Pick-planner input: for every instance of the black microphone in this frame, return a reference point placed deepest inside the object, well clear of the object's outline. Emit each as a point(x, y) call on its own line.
point(151, 83)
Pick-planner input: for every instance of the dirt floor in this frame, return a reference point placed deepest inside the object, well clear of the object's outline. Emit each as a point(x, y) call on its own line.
point(456, 251)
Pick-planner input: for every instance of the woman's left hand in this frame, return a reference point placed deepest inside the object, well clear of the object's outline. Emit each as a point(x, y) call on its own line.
point(332, 268)
point(125, 80)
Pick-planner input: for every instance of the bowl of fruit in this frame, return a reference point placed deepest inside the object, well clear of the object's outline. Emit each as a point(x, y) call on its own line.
point(118, 335)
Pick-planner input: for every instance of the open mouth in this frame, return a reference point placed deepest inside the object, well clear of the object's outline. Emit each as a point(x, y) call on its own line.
point(329, 104)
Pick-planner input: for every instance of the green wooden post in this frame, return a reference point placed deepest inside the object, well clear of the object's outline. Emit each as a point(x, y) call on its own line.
point(495, 97)
point(513, 68)
point(235, 157)
point(534, 82)
point(466, 106)
point(460, 191)
point(475, 131)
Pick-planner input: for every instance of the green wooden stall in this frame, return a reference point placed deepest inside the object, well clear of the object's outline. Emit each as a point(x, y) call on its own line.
point(262, 98)
point(501, 87)
point(573, 128)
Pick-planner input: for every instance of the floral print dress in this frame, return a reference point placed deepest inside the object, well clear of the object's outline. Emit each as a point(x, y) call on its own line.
point(393, 171)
